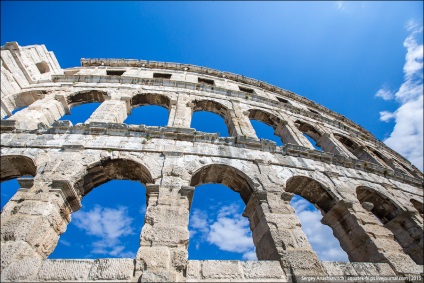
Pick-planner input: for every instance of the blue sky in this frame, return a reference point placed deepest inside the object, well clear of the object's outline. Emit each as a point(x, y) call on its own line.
point(360, 59)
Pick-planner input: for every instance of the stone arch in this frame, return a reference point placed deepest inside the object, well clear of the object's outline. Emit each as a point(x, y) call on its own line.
point(216, 108)
point(419, 206)
point(271, 120)
point(384, 208)
point(150, 99)
point(407, 230)
point(309, 130)
point(13, 166)
point(313, 191)
point(108, 169)
point(86, 96)
point(226, 175)
point(26, 98)
point(360, 151)
point(211, 106)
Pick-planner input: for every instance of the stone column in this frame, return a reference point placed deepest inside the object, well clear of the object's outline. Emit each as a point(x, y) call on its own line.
point(32, 221)
point(408, 231)
point(180, 113)
point(329, 143)
point(289, 134)
point(277, 234)
point(239, 124)
point(366, 240)
point(44, 111)
point(109, 111)
point(163, 254)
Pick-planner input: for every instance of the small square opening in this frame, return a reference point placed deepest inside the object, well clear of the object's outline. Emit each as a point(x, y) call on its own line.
point(205, 81)
point(313, 111)
point(115, 72)
point(162, 75)
point(282, 100)
point(245, 89)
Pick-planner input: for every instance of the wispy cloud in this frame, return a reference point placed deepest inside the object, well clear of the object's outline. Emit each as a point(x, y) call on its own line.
point(320, 236)
point(108, 225)
point(407, 135)
point(229, 231)
point(340, 5)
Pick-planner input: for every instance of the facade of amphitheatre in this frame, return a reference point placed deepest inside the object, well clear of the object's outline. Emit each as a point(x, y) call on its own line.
point(354, 180)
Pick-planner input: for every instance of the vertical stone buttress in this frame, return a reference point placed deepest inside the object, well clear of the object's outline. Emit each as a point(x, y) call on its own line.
point(109, 111)
point(163, 255)
point(32, 221)
point(44, 111)
point(277, 234)
point(180, 112)
point(364, 239)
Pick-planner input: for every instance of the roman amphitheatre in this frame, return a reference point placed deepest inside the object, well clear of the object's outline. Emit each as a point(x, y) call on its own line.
point(370, 196)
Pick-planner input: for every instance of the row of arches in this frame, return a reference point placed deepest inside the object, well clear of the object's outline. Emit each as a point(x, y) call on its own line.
point(380, 204)
point(281, 130)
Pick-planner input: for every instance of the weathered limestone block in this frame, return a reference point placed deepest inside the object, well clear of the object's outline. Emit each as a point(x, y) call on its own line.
point(112, 269)
point(109, 111)
point(221, 269)
point(64, 270)
point(44, 111)
point(12, 251)
point(263, 270)
point(24, 270)
point(180, 113)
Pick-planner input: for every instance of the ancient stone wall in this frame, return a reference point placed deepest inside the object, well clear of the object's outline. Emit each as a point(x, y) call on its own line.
point(354, 177)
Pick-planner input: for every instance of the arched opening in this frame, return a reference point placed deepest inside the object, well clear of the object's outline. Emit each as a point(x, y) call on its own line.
point(419, 206)
point(149, 109)
point(82, 104)
point(210, 116)
point(81, 113)
point(357, 150)
point(217, 228)
point(311, 201)
point(110, 221)
point(267, 126)
point(218, 231)
point(310, 132)
point(13, 167)
point(407, 233)
point(108, 225)
point(15, 111)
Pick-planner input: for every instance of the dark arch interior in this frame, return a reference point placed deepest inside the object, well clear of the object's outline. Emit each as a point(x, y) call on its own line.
point(308, 130)
point(349, 144)
point(264, 117)
point(86, 97)
point(312, 191)
point(211, 106)
point(383, 208)
point(27, 98)
point(16, 166)
point(226, 175)
point(113, 169)
point(418, 206)
point(150, 99)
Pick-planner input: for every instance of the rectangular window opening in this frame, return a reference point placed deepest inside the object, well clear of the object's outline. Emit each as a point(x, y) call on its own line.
point(162, 75)
point(313, 111)
point(245, 89)
point(205, 81)
point(115, 72)
point(282, 100)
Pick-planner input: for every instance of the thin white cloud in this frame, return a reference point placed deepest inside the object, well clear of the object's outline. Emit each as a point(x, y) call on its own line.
point(341, 5)
point(407, 135)
point(385, 93)
point(320, 236)
point(229, 232)
point(109, 225)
